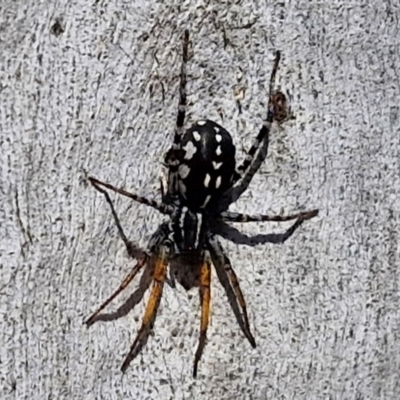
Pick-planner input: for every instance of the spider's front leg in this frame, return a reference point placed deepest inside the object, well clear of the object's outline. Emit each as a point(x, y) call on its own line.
point(133, 250)
point(263, 135)
point(173, 155)
point(276, 109)
point(161, 207)
point(180, 119)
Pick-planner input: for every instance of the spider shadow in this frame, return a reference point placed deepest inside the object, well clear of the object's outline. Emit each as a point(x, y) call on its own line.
point(134, 299)
point(225, 283)
point(232, 234)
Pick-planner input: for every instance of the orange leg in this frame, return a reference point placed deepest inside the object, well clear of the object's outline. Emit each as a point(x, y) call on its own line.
point(160, 271)
point(205, 297)
point(139, 265)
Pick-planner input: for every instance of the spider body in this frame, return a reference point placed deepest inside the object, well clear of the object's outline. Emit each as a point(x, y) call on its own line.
point(187, 230)
point(202, 166)
point(202, 181)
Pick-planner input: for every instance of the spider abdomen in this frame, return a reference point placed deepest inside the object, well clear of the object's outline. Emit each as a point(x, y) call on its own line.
point(206, 164)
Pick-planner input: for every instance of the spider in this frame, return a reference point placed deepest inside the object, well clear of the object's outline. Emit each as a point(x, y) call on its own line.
point(202, 181)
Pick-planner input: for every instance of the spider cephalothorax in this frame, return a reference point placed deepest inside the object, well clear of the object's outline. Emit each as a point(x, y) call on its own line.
point(202, 181)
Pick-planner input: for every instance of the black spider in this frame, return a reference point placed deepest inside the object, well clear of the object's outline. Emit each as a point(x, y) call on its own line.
point(202, 181)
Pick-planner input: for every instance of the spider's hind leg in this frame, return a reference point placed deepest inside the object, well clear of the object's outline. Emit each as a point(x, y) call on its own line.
point(161, 207)
point(160, 260)
point(205, 297)
point(229, 280)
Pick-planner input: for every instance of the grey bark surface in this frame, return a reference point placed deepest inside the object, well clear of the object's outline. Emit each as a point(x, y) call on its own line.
point(92, 88)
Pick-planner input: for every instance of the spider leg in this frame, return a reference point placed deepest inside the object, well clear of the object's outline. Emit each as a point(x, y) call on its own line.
point(180, 119)
point(229, 280)
point(128, 279)
point(133, 250)
point(234, 235)
point(160, 269)
point(163, 208)
point(205, 296)
point(228, 216)
point(263, 135)
point(259, 149)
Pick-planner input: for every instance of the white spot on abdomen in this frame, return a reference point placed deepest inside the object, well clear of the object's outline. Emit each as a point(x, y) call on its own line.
point(197, 136)
point(218, 138)
point(201, 123)
point(208, 198)
point(218, 151)
point(190, 150)
point(216, 165)
point(207, 180)
point(218, 182)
